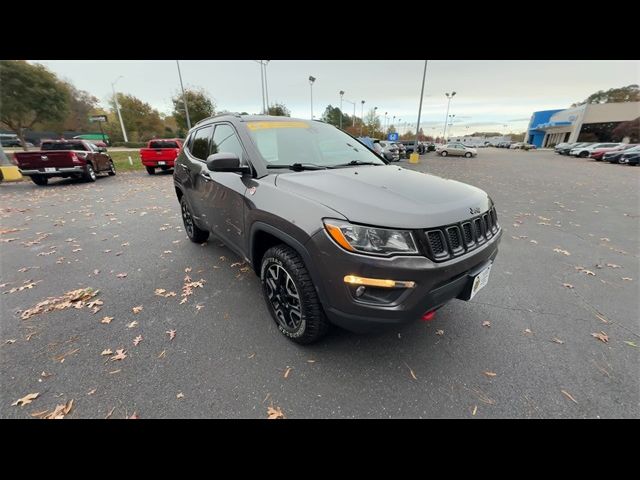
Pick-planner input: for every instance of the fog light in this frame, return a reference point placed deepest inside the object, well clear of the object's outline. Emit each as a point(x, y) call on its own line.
point(360, 291)
point(378, 282)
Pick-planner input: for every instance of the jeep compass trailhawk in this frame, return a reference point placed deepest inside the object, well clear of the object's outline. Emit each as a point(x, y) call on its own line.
point(335, 233)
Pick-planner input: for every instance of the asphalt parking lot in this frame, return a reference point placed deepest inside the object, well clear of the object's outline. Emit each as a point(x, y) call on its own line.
point(568, 268)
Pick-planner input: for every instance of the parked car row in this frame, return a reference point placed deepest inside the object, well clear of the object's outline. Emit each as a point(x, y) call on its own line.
point(623, 153)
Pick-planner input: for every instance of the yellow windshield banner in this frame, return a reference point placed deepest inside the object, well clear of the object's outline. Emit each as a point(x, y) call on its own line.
point(263, 125)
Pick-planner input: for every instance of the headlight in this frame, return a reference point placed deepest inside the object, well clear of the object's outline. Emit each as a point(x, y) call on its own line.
point(381, 241)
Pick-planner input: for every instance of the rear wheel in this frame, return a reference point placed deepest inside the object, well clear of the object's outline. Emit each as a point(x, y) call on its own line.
point(195, 234)
point(89, 174)
point(467, 155)
point(444, 153)
point(40, 179)
point(151, 170)
point(583, 154)
point(112, 168)
point(291, 296)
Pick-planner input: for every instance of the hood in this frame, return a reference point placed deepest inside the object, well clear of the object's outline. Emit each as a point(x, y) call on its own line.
point(387, 196)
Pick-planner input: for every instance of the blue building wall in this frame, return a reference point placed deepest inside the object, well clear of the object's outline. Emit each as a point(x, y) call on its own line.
point(534, 135)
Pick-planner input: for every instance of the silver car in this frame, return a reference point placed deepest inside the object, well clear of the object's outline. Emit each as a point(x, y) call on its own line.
point(456, 150)
point(390, 150)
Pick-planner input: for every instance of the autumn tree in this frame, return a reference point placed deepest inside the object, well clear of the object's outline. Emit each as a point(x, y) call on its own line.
point(30, 94)
point(80, 106)
point(140, 119)
point(630, 130)
point(630, 93)
point(279, 110)
point(372, 121)
point(199, 103)
point(332, 115)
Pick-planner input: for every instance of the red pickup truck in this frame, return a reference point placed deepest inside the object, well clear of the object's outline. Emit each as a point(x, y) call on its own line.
point(161, 152)
point(65, 158)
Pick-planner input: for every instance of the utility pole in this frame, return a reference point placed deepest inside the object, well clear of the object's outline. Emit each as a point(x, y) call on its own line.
point(184, 97)
point(415, 145)
point(115, 98)
point(361, 117)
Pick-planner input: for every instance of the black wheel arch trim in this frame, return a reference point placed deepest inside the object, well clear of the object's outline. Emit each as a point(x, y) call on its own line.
point(293, 243)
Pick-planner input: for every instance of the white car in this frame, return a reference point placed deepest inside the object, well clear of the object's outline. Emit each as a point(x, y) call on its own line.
point(586, 150)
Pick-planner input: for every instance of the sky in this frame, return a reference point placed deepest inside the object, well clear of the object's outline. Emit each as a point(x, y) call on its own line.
point(489, 93)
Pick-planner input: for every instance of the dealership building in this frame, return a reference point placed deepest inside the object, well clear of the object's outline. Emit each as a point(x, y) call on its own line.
point(586, 123)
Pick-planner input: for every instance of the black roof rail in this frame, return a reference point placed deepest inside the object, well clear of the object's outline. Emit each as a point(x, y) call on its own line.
point(221, 114)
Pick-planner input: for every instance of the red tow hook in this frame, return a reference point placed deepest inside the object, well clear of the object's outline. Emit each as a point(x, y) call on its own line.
point(427, 317)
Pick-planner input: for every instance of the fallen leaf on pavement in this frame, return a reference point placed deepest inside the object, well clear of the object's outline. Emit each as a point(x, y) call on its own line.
point(560, 250)
point(180, 395)
point(60, 411)
point(110, 413)
point(115, 371)
point(475, 409)
point(121, 275)
point(39, 414)
point(601, 336)
point(631, 344)
point(107, 352)
point(627, 278)
point(171, 333)
point(439, 332)
point(613, 265)
point(601, 318)
point(184, 300)
point(605, 239)
point(137, 340)
point(159, 291)
point(133, 416)
point(199, 307)
point(96, 271)
point(569, 396)
point(187, 270)
point(137, 309)
point(311, 361)
point(106, 320)
point(486, 323)
point(121, 354)
point(91, 392)
point(568, 285)
point(557, 340)
point(10, 341)
point(26, 400)
point(162, 353)
point(274, 413)
point(132, 324)
point(413, 375)
point(490, 374)
point(287, 372)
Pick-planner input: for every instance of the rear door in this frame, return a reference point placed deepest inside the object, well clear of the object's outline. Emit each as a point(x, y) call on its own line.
point(193, 171)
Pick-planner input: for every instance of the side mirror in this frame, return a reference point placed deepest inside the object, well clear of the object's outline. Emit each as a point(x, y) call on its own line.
point(102, 149)
point(226, 162)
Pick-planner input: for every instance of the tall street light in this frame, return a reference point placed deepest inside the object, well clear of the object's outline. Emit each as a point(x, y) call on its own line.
point(311, 80)
point(375, 117)
point(341, 95)
point(449, 97)
point(424, 77)
point(264, 109)
point(266, 86)
point(184, 97)
point(353, 119)
point(400, 124)
point(451, 118)
point(115, 98)
point(385, 123)
point(361, 116)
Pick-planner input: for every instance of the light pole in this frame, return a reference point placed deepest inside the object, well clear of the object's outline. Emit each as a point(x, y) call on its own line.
point(451, 117)
point(400, 124)
point(266, 87)
point(375, 118)
point(184, 97)
point(115, 98)
point(341, 95)
point(449, 97)
point(361, 116)
point(385, 123)
point(264, 109)
point(311, 80)
point(424, 77)
point(353, 119)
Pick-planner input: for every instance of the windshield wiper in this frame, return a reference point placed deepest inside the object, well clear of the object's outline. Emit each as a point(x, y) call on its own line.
point(300, 166)
point(357, 162)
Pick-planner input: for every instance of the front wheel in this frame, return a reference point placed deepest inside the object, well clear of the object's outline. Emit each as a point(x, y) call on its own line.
point(195, 234)
point(90, 173)
point(583, 154)
point(112, 168)
point(443, 154)
point(291, 296)
point(40, 180)
point(151, 170)
point(467, 155)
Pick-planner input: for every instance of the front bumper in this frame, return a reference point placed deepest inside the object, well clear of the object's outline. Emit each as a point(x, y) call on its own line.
point(56, 173)
point(436, 283)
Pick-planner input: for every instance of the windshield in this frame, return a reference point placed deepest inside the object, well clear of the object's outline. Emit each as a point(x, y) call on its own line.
point(290, 142)
point(163, 144)
point(635, 149)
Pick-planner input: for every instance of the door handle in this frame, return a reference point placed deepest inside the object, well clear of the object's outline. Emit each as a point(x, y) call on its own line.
point(184, 165)
point(205, 176)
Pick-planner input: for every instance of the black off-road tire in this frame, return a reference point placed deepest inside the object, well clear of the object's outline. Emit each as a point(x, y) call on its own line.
point(151, 170)
point(195, 234)
point(313, 323)
point(89, 174)
point(112, 168)
point(40, 180)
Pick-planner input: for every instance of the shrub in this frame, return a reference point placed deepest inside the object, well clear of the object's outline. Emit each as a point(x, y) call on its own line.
point(129, 144)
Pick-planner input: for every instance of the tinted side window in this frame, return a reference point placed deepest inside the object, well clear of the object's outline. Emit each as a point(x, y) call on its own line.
point(200, 145)
point(226, 140)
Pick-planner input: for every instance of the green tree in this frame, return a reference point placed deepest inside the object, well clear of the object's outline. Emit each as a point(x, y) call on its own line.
point(29, 94)
point(140, 119)
point(372, 121)
point(630, 93)
point(81, 105)
point(200, 106)
point(279, 110)
point(332, 115)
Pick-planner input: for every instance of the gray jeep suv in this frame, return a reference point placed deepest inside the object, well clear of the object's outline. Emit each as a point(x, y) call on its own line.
point(335, 233)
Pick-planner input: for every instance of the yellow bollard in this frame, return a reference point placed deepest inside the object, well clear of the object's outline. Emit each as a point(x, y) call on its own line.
point(414, 158)
point(10, 173)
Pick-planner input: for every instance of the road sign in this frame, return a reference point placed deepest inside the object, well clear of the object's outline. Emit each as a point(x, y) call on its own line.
point(393, 137)
point(98, 118)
